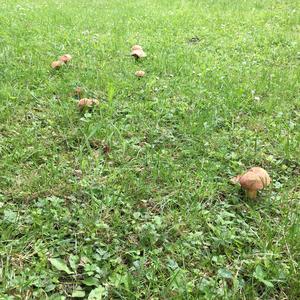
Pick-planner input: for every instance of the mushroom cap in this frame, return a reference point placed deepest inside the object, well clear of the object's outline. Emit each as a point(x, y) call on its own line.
point(56, 64)
point(263, 175)
point(86, 102)
point(65, 58)
point(140, 73)
point(251, 181)
point(136, 47)
point(138, 53)
point(254, 179)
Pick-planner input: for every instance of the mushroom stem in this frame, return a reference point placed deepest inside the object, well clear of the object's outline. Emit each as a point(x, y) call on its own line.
point(251, 194)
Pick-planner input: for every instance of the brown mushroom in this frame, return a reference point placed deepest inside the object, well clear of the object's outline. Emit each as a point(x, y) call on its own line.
point(253, 180)
point(89, 103)
point(140, 73)
point(56, 64)
point(65, 58)
point(138, 53)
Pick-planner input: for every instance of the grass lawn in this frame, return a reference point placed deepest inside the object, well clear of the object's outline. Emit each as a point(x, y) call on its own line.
point(133, 199)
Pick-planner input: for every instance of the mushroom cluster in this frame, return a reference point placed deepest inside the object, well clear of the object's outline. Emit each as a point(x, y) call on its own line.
point(64, 59)
point(253, 180)
point(138, 52)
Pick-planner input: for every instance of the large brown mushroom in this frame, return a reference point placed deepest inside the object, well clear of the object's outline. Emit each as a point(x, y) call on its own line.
point(253, 180)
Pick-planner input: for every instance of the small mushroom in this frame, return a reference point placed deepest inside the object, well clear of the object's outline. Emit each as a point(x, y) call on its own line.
point(137, 51)
point(86, 102)
point(56, 64)
point(138, 54)
point(65, 58)
point(253, 180)
point(140, 73)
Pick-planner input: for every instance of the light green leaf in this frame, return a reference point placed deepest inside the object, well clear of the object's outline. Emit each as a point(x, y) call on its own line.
point(50, 287)
point(78, 294)
point(90, 281)
point(10, 216)
point(224, 273)
point(172, 264)
point(60, 265)
point(97, 294)
point(267, 283)
point(73, 261)
point(259, 273)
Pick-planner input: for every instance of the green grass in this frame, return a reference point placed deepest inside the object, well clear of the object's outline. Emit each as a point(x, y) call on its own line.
point(155, 217)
